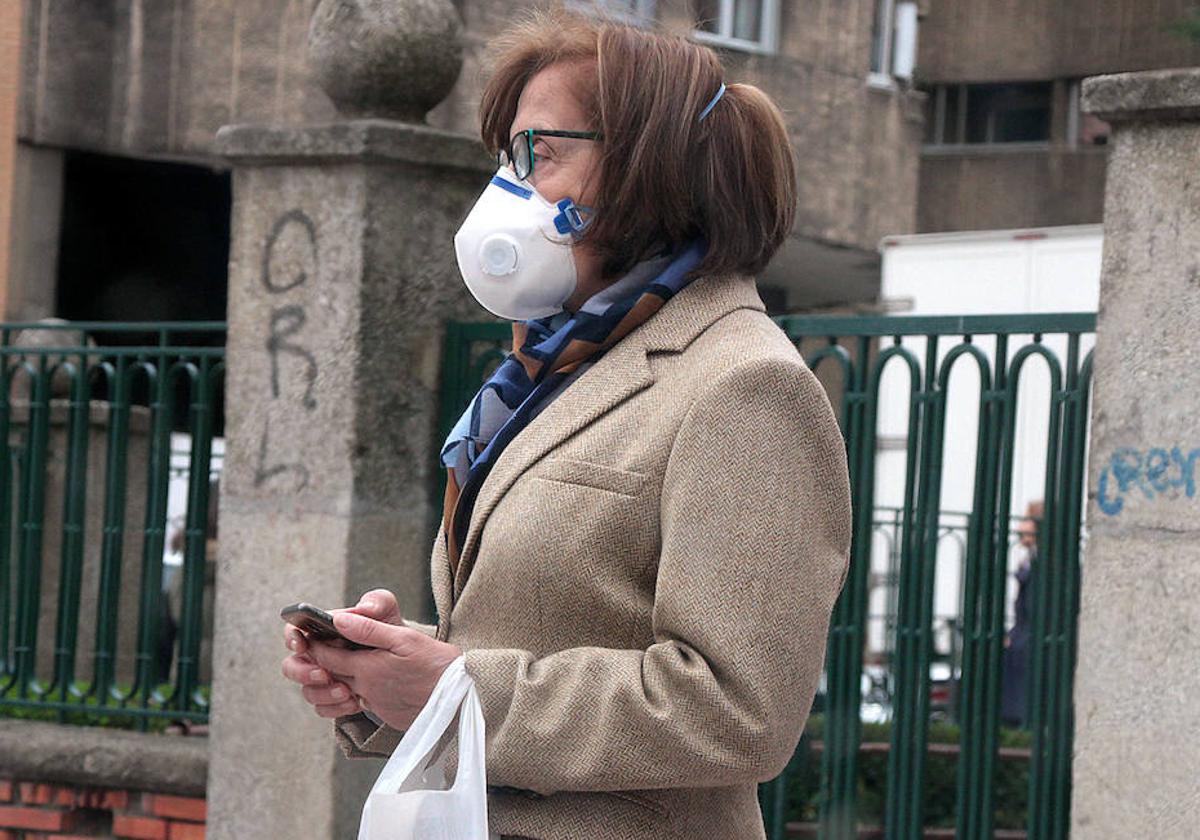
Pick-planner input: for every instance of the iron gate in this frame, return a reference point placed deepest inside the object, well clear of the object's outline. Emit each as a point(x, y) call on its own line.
point(86, 482)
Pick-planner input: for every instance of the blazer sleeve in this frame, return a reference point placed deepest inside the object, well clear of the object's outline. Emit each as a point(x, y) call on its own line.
point(755, 540)
point(359, 736)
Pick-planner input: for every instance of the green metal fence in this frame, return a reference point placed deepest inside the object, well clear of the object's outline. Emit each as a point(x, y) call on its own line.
point(87, 466)
point(87, 416)
point(854, 356)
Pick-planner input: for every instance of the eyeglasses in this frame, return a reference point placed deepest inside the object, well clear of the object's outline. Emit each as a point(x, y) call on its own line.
point(520, 148)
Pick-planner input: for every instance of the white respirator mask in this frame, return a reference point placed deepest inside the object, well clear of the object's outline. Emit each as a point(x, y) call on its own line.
point(514, 249)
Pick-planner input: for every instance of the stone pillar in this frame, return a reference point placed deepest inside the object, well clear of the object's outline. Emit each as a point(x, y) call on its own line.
point(1138, 674)
point(342, 275)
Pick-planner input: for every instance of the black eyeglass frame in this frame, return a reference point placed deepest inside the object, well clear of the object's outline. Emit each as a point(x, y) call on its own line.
point(504, 156)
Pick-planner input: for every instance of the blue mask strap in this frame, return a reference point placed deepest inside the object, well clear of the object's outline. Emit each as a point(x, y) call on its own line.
point(570, 217)
point(712, 104)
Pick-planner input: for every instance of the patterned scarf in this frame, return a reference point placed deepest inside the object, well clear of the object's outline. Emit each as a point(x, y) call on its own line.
point(546, 352)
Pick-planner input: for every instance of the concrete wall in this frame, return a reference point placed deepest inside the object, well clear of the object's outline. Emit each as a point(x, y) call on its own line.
point(969, 190)
point(1012, 40)
point(37, 194)
point(140, 77)
point(95, 757)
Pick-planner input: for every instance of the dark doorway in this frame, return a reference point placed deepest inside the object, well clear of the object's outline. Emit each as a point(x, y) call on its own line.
point(142, 241)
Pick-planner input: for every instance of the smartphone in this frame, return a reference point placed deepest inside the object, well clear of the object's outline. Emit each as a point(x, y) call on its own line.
point(318, 624)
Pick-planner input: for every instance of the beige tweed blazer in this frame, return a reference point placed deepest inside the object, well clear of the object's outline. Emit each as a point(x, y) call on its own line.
point(646, 582)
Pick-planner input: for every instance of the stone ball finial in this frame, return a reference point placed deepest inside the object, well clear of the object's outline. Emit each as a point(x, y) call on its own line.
point(393, 59)
point(35, 338)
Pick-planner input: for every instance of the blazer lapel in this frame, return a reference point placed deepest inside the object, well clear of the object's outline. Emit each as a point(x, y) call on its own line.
point(440, 582)
point(617, 375)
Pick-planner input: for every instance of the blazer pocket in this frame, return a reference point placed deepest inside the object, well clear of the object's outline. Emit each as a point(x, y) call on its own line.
point(589, 474)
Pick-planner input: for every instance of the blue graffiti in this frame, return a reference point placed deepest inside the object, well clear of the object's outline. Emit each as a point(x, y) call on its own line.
point(1156, 473)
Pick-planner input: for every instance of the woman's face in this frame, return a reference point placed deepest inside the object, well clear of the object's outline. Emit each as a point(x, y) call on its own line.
point(563, 166)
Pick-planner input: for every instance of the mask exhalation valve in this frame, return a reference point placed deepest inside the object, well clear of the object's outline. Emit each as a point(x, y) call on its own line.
point(499, 255)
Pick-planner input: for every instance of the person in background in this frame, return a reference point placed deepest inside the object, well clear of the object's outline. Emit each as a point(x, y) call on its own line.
point(1014, 710)
point(172, 608)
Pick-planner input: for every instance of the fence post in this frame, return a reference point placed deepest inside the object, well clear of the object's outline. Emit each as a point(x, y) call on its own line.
point(1137, 682)
point(342, 275)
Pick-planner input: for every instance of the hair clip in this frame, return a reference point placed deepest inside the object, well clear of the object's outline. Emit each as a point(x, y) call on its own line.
point(712, 104)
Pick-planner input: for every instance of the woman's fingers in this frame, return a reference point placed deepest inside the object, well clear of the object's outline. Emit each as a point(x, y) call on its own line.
point(349, 707)
point(327, 695)
point(317, 685)
point(300, 669)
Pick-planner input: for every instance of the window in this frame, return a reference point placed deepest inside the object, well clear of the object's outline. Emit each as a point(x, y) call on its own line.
point(637, 11)
point(894, 40)
point(989, 114)
point(881, 37)
point(742, 24)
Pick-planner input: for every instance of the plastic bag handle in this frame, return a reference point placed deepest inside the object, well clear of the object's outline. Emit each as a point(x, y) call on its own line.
point(471, 744)
point(429, 727)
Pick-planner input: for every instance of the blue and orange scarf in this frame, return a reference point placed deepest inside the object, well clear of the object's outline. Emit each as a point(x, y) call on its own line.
point(547, 351)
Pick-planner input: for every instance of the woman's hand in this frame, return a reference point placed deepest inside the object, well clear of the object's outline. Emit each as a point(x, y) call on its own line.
point(393, 681)
point(331, 697)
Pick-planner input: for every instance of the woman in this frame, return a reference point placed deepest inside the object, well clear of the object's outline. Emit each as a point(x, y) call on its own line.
point(647, 518)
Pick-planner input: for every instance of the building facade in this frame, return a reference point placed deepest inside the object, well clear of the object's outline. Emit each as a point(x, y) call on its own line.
point(1006, 144)
point(117, 207)
point(118, 201)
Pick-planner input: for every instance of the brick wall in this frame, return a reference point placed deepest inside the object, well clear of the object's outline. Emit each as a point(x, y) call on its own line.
point(42, 811)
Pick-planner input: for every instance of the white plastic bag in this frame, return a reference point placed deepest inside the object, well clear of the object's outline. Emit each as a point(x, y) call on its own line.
point(411, 799)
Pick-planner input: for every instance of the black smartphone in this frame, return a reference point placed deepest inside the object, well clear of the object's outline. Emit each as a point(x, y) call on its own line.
point(318, 624)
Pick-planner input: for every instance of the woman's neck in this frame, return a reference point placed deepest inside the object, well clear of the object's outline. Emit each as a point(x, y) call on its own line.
point(589, 277)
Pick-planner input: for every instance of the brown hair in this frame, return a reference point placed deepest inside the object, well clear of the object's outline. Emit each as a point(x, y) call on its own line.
point(665, 176)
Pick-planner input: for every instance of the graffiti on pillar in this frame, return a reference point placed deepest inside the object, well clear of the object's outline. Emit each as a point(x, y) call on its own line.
point(289, 259)
point(264, 473)
point(1153, 474)
point(293, 220)
point(286, 321)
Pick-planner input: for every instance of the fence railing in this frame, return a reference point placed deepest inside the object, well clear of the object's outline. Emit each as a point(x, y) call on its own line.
point(85, 489)
point(999, 409)
point(87, 416)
